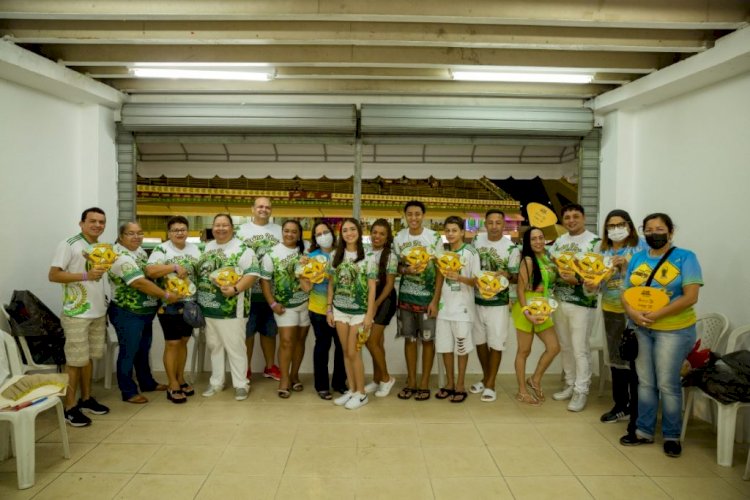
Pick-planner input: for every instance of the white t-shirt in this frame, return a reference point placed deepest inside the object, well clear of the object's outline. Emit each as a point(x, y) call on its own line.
point(456, 298)
point(261, 239)
point(81, 299)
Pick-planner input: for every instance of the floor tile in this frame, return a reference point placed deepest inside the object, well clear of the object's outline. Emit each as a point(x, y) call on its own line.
point(460, 462)
point(161, 486)
point(395, 488)
point(319, 434)
point(9, 485)
point(115, 457)
point(183, 459)
point(510, 435)
point(253, 461)
point(552, 488)
point(84, 486)
point(222, 486)
point(263, 435)
point(479, 488)
point(321, 462)
point(571, 434)
point(387, 434)
point(451, 435)
point(597, 461)
point(622, 487)
point(529, 461)
point(315, 488)
point(698, 487)
point(49, 457)
point(381, 462)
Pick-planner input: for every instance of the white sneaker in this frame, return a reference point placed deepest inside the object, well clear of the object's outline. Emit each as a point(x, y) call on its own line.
point(477, 388)
point(357, 400)
point(563, 395)
point(371, 387)
point(212, 390)
point(385, 388)
point(240, 393)
point(343, 399)
point(578, 402)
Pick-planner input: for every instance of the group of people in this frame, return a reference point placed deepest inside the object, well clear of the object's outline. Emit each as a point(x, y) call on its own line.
point(441, 309)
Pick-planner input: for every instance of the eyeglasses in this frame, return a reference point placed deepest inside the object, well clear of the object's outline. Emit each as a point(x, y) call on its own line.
point(132, 233)
point(621, 225)
point(178, 230)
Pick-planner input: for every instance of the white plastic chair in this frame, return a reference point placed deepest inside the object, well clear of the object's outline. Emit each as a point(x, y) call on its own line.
point(111, 346)
point(199, 351)
point(23, 421)
point(727, 413)
point(598, 345)
point(29, 366)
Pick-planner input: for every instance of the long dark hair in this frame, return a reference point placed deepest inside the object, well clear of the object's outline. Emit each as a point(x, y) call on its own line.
point(341, 244)
point(383, 264)
point(526, 251)
point(300, 242)
point(630, 241)
point(313, 241)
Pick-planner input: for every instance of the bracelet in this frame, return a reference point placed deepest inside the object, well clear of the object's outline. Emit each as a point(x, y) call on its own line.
point(85, 276)
point(176, 268)
point(166, 295)
point(273, 304)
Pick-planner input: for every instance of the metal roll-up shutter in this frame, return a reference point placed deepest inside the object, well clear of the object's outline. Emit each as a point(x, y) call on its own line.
point(126, 178)
point(588, 184)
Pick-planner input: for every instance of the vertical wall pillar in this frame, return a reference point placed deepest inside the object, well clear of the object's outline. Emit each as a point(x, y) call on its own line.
point(588, 179)
point(357, 181)
point(126, 176)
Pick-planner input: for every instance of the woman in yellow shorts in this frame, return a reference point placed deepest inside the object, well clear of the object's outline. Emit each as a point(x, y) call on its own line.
point(535, 275)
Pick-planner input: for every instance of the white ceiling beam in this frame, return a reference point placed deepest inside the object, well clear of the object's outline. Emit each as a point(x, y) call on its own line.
point(682, 14)
point(25, 68)
point(410, 57)
point(359, 33)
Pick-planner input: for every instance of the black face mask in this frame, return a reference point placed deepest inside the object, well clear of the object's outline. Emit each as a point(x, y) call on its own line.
point(657, 241)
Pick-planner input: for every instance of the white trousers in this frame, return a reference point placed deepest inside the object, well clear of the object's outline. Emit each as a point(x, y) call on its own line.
point(227, 336)
point(573, 324)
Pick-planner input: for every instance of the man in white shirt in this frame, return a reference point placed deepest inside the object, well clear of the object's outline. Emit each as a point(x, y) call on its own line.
point(261, 235)
point(84, 312)
point(575, 314)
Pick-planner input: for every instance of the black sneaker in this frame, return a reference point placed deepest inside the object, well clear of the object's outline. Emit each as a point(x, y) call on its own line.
point(75, 418)
point(91, 405)
point(672, 448)
point(634, 440)
point(615, 415)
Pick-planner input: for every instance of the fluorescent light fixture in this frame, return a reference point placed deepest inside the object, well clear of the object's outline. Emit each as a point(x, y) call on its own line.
point(521, 76)
point(203, 71)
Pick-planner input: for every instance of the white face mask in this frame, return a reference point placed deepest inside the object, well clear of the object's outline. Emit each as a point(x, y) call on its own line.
point(325, 240)
point(618, 234)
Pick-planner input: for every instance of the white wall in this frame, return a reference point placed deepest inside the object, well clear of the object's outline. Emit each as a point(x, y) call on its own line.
point(689, 156)
point(56, 159)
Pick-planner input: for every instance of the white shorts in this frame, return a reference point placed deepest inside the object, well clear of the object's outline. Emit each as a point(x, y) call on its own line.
point(453, 336)
point(349, 319)
point(491, 326)
point(293, 316)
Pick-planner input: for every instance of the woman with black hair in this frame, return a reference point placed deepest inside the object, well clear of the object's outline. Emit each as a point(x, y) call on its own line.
point(385, 263)
point(287, 299)
point(619, 242)
point(536, 275)
point(351, 295)
point(322, 246)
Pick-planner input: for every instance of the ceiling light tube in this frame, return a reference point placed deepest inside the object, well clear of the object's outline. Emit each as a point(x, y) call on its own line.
point(519, 76)
point(201, 74)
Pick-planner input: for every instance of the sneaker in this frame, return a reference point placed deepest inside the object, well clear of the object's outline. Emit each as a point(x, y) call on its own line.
point(343, 399)
point(357, 400)
point(634, 440)
point(563, 395)
point(578, 401)
point(91, 405)
point(672, 448)
point(385, 388)
point(477, 388)
point(372, 387)
point(274, 372)
point(212, 390)
point(240, 393)
point(615, 415)
point(75, 418)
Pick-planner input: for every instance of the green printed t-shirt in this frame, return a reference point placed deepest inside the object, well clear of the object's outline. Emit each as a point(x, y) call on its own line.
point(128, 268)
point(187, 257)
point(233, 253)
point(261, 239)
point(567, 244)
point(417, 289)
point(81, 299)
point(278, 266)
point(350, 283)
point(500, 255)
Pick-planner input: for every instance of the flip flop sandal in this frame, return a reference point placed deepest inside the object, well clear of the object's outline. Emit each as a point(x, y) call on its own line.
point(459, 397)
point(488, 395)
point(138, 399)
point(422, 395)
point(444, 393)
point(476, 388)
point(187, 390)
point(527, 399)
point(538, 392)
point(171, 395)
point(406, 393)
point(326, 395)
point(283, 393)
point(297, 386)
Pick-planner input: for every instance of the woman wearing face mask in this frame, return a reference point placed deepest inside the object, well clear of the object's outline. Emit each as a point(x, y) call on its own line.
point(322, 245)
point(619, 242)
point(665, 336)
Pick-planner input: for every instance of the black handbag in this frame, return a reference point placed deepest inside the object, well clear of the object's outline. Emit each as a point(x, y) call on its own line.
point(628, 347)
point(193, 315)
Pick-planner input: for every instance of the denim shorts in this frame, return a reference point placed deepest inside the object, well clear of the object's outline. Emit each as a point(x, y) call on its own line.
point(261, 320)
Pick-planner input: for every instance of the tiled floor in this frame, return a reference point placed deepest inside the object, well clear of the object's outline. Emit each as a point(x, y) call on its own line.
point(307, 448)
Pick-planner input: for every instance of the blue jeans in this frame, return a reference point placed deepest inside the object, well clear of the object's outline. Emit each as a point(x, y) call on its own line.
point(660, 356)
point(324, 334)
point(134, 336)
